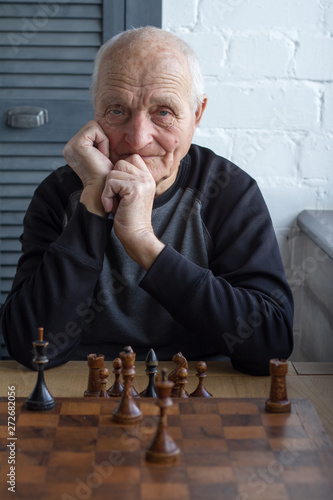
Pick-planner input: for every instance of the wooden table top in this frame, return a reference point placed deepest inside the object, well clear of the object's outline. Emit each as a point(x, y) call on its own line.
point(313, 381)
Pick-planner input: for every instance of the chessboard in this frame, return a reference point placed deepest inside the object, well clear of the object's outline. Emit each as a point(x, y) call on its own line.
point(229, 448)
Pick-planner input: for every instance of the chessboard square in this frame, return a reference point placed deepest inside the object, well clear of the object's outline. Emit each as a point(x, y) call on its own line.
point(299, 444)
point(33, 457)
point(202, 406)
point(117, 491)
point(72, 439)
point(115, 458)
point(122, 443)
point(26, 490)
point(149, 409)
point(4, 414)
point(78, 420)
point(122, 475)
point(293, 457)
point(4, 408)
point(77, 489)
point(35, 438)
point(30, 473)
point(165, 491)
point(107, 405)
point(173, 420)
point(262, 491)
point(113, 431)
point(285, 432)
point(105, 420)
point(280, 419)
point(304, 475)
point(68, 458)
point(37, 419)
point(176, 432)
point(186, 407)
point(249, 474)
point(4, 455)
point(148, 427)
point(307, 491)
point(200, 420)
point(213, 474)
point(241, 420)
point(67, 473)
point(3, 433)
point(213, 491)
point(213, 432)
point(257, 458)
point(234, 407)
point(207, 458)
point(155, 473)
point(25, 410)
point(204, 444)
point(85, 407)
point(124, 438)
point(254, 445)
point(250, 432)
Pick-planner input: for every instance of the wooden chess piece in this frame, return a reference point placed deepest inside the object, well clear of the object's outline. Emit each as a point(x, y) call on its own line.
point(201, 391)
point(40, 399)
point(181, 362)
point(163, 449)
point(94, 386)
point(103, 379)
point(278, 401)
point(127, 411)
point(151, 370)
point(117, 388)
point(182, 376)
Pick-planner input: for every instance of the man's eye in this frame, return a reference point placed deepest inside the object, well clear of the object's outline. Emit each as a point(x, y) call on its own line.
point(164, 112)
point(113, 115)
point(114, 112)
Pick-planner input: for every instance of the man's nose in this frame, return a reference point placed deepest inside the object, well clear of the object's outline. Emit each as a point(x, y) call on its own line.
point(139, 131)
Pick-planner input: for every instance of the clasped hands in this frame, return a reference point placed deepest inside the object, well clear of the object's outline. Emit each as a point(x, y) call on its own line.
point(127, 189)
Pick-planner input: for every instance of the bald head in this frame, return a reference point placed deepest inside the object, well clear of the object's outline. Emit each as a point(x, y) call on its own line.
point(154, 45)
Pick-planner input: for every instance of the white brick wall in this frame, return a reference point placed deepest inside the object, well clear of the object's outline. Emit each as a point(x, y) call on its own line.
point(268, 68)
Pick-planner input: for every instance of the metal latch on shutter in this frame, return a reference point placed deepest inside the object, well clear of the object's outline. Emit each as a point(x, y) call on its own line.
point(26, 117)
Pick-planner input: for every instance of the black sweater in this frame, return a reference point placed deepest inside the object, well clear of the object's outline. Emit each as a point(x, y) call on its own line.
point(218, 287)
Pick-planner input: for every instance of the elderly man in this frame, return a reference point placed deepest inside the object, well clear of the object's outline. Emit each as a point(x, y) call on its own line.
point(144, 239)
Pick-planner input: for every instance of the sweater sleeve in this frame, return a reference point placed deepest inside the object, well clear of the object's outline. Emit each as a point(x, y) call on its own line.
point(241, 304)
point(56, 273)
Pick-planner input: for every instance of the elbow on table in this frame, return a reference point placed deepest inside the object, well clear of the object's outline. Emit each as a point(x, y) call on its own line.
point(257, 363)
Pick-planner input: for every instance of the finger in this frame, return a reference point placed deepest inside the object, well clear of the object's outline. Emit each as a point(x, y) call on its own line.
point(133, 160)
point(95, 136)
point(110, 197)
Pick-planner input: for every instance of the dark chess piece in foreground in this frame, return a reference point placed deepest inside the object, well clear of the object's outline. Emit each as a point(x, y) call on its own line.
point(278, 400)
point(103, 380)
point(151, 370)
point(40, 399)
point(95, 363)
point(201, 391)
point(117, 388)
point(127, 411)
point(181, 362)
point(163, 449)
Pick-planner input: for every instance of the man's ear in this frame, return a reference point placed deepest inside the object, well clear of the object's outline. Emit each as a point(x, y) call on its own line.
point(200, 110)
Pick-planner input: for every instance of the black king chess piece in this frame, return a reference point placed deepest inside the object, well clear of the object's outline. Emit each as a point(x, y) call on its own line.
point(40, 399)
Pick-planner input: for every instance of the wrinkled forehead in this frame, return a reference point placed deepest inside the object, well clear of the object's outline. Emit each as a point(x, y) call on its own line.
point(144, 64)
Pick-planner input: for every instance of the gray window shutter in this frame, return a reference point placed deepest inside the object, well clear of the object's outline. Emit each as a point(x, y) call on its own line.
point(47, 51)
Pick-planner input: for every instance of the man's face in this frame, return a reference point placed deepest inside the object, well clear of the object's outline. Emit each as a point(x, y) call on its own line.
point(143, 106)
